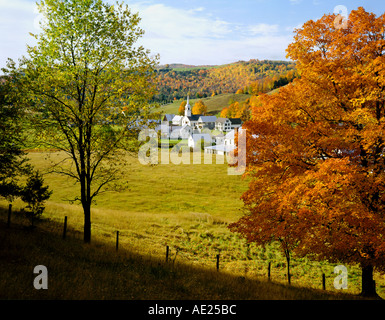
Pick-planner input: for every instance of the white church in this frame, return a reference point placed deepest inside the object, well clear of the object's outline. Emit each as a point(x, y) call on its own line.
point(218, 133)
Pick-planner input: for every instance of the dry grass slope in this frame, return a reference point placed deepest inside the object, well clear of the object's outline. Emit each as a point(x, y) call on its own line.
point(97, 271)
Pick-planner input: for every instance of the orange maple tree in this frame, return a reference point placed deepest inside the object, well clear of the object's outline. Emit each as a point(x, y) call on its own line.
point(240, 110)
point(182, 108)
point(199, 108)
point(316, 152)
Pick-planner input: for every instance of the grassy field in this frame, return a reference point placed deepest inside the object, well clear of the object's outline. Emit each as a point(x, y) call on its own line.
point(186, 207)
point(214, 104)
point(97, 271)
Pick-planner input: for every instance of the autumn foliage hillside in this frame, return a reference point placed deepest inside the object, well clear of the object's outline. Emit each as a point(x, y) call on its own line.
point(251, 77)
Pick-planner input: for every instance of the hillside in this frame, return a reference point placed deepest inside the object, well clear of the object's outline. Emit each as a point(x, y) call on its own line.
point(98, 272)
point(184, 67)
point(184, 210)
point(175, 82)
point(214, 104)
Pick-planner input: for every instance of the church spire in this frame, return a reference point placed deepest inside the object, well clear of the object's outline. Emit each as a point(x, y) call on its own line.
point(187, 110)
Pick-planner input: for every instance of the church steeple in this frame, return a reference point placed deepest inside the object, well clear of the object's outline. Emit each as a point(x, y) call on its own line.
point(187, 110)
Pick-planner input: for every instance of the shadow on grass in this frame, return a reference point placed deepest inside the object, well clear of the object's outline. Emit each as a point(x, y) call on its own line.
point(97, 271)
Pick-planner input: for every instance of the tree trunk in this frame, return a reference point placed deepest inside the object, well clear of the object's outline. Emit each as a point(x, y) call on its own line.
point(287, 255)
point(288, 268)
point(87, 223)
point(368, 284)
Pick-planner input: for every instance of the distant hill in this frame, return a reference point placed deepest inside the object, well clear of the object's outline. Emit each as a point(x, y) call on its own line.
point(184, 67)
point(176, 81)
point(214, 104)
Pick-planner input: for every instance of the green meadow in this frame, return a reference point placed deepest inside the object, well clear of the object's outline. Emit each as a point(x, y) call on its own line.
point(186, 207)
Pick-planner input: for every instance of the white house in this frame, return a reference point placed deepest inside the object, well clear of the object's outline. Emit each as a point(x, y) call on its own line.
point(227, 146)
point(191, 121)
point(226, 125)
point(167, 119)
point(223, 124)
point(177, 120)
point(220, 150)
point(183, 132)
point(219, 139)
point(206, 122)
point(195, 140)
point(229, 139)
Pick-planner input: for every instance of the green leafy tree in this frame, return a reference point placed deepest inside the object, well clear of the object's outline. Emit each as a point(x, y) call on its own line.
point(34, 194)
point(12, 158)
point(91, 88)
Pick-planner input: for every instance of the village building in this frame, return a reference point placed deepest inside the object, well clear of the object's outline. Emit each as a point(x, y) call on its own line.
point(181, 133)
point(195, 140)
point(177, 121)
point(224, 148)
point(236, 123)
point(168, 119)
point(230, 139)
point(219, 139)
point(227, 124)
point(191, 121)
point(223, 124)
point(221, 150)
point(188, 125)
point(206, 122)
point(164, 130)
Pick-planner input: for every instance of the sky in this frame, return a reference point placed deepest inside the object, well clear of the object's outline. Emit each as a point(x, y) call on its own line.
point(196, 32)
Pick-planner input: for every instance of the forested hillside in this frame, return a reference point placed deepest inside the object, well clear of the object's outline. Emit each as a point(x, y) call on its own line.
point(252, 77)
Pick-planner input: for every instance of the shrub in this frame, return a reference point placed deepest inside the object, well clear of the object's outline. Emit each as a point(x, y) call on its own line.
point(34, 194)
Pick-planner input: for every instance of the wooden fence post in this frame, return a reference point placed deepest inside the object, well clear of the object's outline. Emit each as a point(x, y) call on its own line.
point(9, 215)
point(269, 271)
point(217, 262)
point(323, 281)
point(117, 240)
point(167, 250)
point(248, 251)
point(65, 228)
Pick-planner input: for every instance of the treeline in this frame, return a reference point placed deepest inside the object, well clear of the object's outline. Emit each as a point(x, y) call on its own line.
point(250, 77)
point(18, 179)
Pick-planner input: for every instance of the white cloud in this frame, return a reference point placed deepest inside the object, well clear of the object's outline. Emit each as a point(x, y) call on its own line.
point(19, 5)
point(193, 37)
point(263, 29)
point(173, 23)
